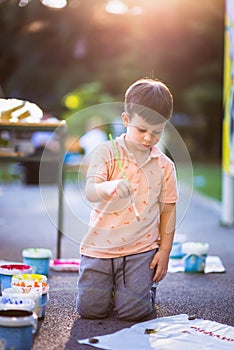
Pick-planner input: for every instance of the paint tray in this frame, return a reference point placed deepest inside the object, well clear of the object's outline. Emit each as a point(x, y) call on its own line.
point(65, 265)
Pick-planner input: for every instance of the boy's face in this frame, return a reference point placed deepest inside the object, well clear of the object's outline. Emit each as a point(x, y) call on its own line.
point(143, 134)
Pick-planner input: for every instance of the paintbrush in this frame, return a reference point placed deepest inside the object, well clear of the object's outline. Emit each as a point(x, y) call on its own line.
point(124, 176)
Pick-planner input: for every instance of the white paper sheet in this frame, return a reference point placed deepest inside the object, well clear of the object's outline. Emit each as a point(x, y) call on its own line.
point(173, 332)
point(213, 264)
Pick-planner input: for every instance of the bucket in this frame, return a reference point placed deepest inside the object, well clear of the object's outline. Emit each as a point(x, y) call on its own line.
point(17, 328)
point(43, 300)
point(16, 303)
point(38, 258)
point(176, 250)
point(195, 256)
point(17, 292)
point(28, 280)
point(33, 283)
point(7, 271)
point(194, 263)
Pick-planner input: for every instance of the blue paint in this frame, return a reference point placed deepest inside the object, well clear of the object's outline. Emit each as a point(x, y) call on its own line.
point(18, 303)
point(195, 263)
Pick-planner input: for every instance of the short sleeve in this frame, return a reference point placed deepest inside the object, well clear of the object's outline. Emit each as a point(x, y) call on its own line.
point(169, 191)
point(99, 163)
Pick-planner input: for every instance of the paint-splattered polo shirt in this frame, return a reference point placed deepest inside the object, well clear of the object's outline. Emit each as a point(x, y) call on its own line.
point(113, 228)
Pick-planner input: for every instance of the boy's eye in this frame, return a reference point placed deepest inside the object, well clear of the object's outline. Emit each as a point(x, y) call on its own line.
point(156, 133)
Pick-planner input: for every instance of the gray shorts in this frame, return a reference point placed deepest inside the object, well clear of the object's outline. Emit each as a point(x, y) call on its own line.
point(122, 285)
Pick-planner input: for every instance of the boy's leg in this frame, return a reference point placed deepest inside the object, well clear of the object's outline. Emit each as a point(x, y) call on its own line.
point(133, 299)
point(95, 287)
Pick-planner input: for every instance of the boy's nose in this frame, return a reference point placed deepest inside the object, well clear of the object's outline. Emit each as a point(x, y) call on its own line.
point(147, 137)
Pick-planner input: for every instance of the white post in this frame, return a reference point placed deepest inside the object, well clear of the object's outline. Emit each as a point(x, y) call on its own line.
point(227, 218)
point(227, 215)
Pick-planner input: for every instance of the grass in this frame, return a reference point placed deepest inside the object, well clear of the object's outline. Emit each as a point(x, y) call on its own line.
point(207, 179)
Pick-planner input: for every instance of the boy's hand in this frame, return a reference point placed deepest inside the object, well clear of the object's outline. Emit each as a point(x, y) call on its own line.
point(160, 261)
point(100, 191)
point(121, 188)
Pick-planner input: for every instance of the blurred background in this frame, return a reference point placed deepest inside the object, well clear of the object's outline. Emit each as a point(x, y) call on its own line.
point(68, 55)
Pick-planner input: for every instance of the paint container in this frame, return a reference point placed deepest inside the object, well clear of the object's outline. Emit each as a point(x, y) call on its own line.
point(43, 300)
point(7, 271)
point(31, 280)
point(195, 256)
point(34, 283)
point(38, 258)
point(17, 292)
point(17, 328)
point(176, 251)
point(194, 263)
point(17, 303)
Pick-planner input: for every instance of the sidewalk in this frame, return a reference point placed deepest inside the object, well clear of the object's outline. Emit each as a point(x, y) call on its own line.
point(24, 222)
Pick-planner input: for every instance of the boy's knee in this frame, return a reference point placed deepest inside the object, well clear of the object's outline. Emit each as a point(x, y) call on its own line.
point(90, 309)
point(88, 313)
point(134, 309)
point(137, 317)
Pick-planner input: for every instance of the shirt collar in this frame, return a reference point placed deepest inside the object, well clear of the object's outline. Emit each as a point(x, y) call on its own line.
point(155, 151)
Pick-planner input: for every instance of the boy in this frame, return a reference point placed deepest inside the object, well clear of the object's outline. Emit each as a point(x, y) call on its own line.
point(120, 256)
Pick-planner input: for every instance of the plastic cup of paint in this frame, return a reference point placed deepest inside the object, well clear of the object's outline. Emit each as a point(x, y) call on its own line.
point(28, 286)
point(176, 250)
point(17, 328)
point(32, 279)
point(43, 300)
point(17, 292)
point(195, 256)
point(38, 258)
point(194, 263)
point(7, 271)
point(16, 303)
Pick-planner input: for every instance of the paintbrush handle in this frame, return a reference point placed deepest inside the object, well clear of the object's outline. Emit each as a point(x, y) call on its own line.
point(123, 175)
point(118, 157)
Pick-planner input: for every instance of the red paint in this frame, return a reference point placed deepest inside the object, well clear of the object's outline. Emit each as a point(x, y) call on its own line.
point(201, 330)
point(15, 267)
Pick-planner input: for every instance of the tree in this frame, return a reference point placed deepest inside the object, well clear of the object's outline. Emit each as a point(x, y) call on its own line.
point(45, 54)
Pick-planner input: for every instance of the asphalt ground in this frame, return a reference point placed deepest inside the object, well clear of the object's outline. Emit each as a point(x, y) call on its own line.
point(25, 221)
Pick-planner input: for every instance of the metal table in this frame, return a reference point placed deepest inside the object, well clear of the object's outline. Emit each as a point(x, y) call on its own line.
point(60, 129)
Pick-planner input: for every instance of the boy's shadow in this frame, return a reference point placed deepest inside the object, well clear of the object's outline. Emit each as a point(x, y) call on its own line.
point(87, 328)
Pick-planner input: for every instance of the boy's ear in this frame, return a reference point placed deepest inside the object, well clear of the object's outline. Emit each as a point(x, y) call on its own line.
point(125, 119)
